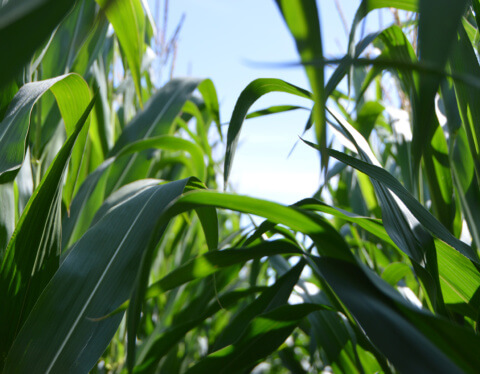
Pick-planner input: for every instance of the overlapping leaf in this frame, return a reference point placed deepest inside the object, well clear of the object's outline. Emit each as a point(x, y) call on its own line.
point(32, 255)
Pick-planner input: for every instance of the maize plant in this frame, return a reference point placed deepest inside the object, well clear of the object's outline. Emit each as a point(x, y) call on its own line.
point(119, 253)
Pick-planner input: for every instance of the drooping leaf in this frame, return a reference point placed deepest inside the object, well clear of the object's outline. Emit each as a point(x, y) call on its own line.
point(378, 309)
point(154, 120)
point(248, 97)
point(72, 95)
point(62, 332)
point(211, 262)
point(32, 255)
point(424, 217)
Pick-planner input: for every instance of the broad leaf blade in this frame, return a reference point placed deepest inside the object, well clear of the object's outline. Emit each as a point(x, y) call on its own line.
point(61, 333)
point(378, 309)
point(24, 26)
point(33, 252)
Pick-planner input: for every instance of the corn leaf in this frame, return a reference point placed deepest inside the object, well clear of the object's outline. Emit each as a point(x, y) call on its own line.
point(16, 124)
point(55, 336)
point(248, 97)
point(24, 26)
point(379, 308)
point(302, 19)
point(32, 255)
point(263, 336)
point(128, 21)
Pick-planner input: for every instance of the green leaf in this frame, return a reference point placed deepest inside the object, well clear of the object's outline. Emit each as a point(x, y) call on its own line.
point(459, 277)
point(160, 344)
point(327, 239)
point(128, 21)
point(262, 337)
point(403, 225)
point(209, 221)
point(366, 6)
point(7, 216)
point(301, 17)
point(344, 64)
point(439, 178)
point(68, 38)
point(423, 215)
point(211, 262)
point(7, 93)
point(209, 95)
point(85, 203)
point(395, 272)
point(463, 171)
point(72, 95)
point(171, 143)
point(155, 119)
point(62, 332)
point(464, 60)
point(378, 308)
point(24, 26)
point(438, 24)
point(91, 47)
point(396, 47)
point(32, 255)
point(462, 163)
point(71, 99)
point(248, 97)
point(273, 110)
point(274, 297)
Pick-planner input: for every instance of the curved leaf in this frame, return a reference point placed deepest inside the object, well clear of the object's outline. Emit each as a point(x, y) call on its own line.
point(248, 97)
point(211, 262)
point(171, 143)
point(72, 95)
point(155, 119)
point(61, 333)
point(375, 306)
point(32, 254)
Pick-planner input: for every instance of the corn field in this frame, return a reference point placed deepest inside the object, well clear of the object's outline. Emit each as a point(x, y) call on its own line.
point(121, 251)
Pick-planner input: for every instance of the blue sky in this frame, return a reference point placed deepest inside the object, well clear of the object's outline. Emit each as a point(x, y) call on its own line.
point(220, 39)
